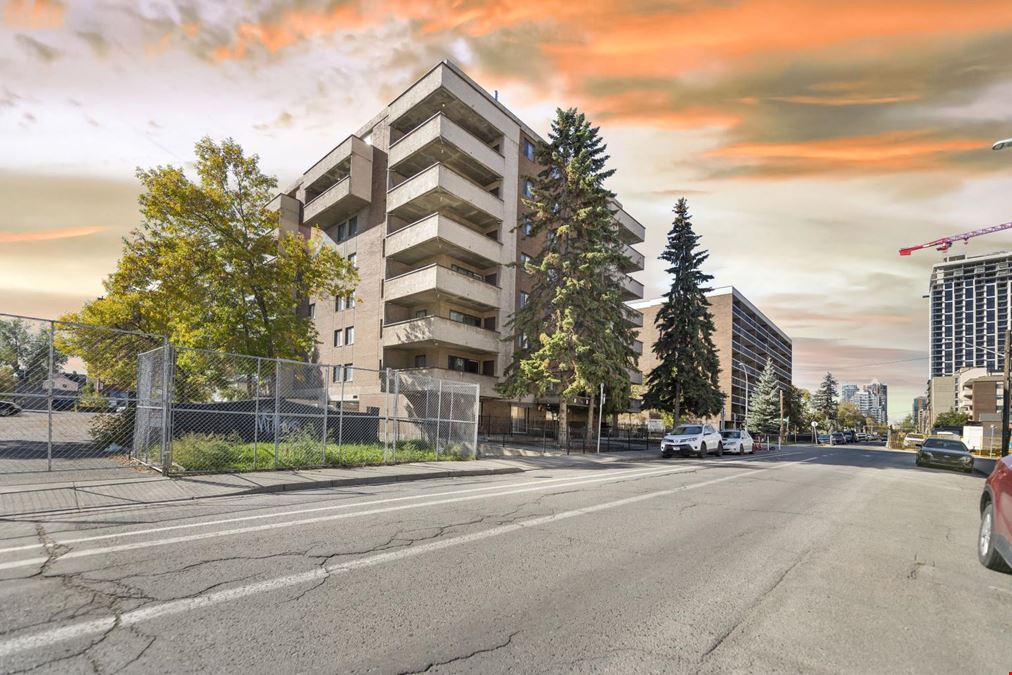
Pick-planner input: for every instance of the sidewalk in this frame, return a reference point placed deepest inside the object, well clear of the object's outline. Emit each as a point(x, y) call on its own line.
point(153, 488)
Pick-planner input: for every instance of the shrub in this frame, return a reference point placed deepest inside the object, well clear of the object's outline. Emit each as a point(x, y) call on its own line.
point(206, 452)
point(113, 427)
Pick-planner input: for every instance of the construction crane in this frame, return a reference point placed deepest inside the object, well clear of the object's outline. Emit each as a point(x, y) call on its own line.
point(945, 243)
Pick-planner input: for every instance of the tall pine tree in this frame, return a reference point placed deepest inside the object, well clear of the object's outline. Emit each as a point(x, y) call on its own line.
point(685, 380)
point(824, 399)
point(764, 405)
point(570, 336)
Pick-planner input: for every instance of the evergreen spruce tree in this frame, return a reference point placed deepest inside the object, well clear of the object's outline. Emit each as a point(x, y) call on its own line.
point(570, 336)
point(824, 399)
point(764, 405)
point(685, 380)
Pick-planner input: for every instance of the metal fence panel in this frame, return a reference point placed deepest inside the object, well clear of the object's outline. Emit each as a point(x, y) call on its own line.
point(68, 394)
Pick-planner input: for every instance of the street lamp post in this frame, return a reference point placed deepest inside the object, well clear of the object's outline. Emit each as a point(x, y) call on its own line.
point(1002, 145)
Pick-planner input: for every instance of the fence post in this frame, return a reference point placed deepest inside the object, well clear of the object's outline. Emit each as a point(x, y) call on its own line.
point(397, 422)
point(386, 412)
point(49, 399)
point(277, 410)
point(477, 416)
point(439, 413)
point(340, 418)
point(326, 409)
point(165, 457)
point(256, 416)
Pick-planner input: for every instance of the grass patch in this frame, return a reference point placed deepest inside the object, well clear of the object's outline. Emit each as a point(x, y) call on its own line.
point(229, 453)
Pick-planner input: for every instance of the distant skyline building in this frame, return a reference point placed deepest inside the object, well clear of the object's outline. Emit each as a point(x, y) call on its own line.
point(969, 312)
point(871, 400)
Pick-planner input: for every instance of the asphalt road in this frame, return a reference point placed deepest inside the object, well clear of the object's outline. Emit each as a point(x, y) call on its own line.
point(816, 560)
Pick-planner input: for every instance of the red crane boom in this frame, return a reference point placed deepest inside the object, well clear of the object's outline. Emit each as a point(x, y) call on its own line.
point(945, 243)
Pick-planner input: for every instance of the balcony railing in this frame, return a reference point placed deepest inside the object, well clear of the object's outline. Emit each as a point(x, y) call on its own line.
point(438, 329)
point(440, 189)
point(433, 279)
point(437, 233)
point(439, 139)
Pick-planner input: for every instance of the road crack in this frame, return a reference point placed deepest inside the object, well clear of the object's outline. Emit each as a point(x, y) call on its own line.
point(464, 657)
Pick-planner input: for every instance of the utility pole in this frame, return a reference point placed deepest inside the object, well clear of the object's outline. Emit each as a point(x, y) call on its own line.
point(1006, 393)
point(780, 439)
point(600, 414)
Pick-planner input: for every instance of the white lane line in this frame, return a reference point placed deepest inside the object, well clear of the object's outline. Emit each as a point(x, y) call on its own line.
point(99, 626)
point(84, 553)
point(337, 507)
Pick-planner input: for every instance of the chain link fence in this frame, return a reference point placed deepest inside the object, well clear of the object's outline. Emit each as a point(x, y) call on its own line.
point(78, 397)
point(68, 394)
point(205, 411)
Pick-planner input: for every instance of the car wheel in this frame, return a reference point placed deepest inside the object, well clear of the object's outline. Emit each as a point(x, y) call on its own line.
point(702, 450)
point(720, 449)
point(986, 553)
point(918, 462)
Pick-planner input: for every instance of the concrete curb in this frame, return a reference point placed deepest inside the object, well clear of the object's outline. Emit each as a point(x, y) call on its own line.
point(374, 480)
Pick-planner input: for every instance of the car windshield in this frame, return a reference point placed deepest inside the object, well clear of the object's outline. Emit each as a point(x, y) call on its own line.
point(945, 444)
point(731, 434)
point(688, 430)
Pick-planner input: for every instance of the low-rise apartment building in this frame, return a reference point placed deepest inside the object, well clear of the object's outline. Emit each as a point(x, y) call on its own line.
point(745, 338)
point(426, 199)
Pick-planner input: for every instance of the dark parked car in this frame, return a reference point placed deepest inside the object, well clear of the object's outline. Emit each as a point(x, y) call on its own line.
point(945, 452)
point(850, 436)
point(994, 547)
point(7, 408)
point(837, 438)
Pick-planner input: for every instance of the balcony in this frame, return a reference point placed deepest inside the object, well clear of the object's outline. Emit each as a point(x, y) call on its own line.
point(631, 289)
point(631, 231)
point(635, 376)
point(632, 316)
point(440, 189)
point(339, 184)
point(637, 347)
point(432, 331)
point(634, 261)
point(438, 234)
point(429, 283)
point(441, 141)
point(443, 90)
point(486, 383)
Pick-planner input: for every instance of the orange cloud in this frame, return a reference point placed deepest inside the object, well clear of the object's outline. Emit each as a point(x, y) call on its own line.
point(34, 13)
point(290, 27)
point(50, 235)
point(894, 151)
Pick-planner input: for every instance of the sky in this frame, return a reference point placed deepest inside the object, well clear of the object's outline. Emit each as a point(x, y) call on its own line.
point(812, 138)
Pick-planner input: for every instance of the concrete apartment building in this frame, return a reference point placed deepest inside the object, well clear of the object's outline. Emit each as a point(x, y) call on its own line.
point(871, 400)
point(970, 303)
point(426, 199)
point(745, 338)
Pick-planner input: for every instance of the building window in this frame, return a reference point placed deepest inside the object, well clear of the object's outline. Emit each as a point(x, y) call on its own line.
point(353, 226)
point(527, 227)
point(339, 303)
point(349, 372)
point(488, 368)
point(419, 360)
point(338, 338)
point(336, 376)
point(460, 317)
point(353, 259)
point(464, 365)
point(349, 335)
point(312, 310)
point(421, 313)
point(528, 188)
point(350, 302)
point(529, 150)
point(524, 259)
point(523, 299)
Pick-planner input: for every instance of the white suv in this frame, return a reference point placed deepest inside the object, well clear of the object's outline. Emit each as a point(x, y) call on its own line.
point(692, 439)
